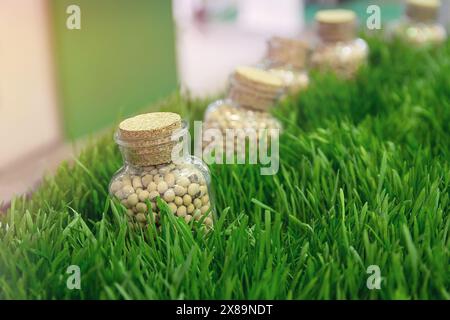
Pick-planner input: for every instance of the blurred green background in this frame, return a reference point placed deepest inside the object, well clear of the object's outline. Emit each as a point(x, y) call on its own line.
point(121, 60)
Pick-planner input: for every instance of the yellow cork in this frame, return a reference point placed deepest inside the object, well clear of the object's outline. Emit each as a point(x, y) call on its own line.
point(149, 125)
point(425, 3)
point(259, 76)
point(335, 16)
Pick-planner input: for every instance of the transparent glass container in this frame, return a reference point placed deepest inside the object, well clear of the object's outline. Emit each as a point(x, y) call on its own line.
point(337, 47)
point(246, 109)
point(150, 170)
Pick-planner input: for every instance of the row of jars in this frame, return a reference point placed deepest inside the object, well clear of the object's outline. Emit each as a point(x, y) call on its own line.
point(151, 172)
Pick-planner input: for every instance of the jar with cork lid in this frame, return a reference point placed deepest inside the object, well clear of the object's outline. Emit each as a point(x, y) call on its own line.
point(251, 94)
point(287, 59)
point(155, 165)
point(338, 48)
point(419, 26)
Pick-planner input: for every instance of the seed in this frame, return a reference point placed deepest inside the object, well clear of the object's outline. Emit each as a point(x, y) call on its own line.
point(193, 189)
point(162, 187)
point(181, 211)
point(169, 195)
point(154, 171)
point(146, 180)
point(130, 213)
point(153, 194)
point(126, 181)
point(197, 214)
point(138, 190)
point(194, 178)
point(127, 190)
point(125, 203)
point(137, 183)
point(132, 199)
point(141, 217)
point(141, 207)
point(183, 181)
point(188, 218)
point(144, 195)
point(197, 203)
point(116, 186)
point(204, 209)
point(208, 221)
point(173, 207)
point(179, 190)
point(152, 186)
point(187, 200)
point(170, 179)
point(190, 208)
point(205, 199)
point(119, 194)
point(157, 178)
point(203, 190)
point(178, 201)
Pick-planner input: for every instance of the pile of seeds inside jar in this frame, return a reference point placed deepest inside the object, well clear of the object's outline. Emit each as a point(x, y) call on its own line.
point(181, 185)
point(339, 49)
point(287, 60)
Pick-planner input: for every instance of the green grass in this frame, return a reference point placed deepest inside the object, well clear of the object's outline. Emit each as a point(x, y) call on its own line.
point(364, 180)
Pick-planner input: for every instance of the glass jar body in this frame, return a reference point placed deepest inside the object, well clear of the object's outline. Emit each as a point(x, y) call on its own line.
point(342, 57)
point(184, 186)
point(418, 33)
point(294, 79)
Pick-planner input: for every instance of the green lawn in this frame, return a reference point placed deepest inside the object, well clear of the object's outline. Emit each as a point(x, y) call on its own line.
point(364, 180)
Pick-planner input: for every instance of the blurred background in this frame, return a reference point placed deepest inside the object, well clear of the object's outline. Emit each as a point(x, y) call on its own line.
point(59, 85)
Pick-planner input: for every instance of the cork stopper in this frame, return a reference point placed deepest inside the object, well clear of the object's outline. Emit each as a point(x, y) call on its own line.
point(287, 52)
point(255, 88)
point(336, 25)
point(146, 139)
point(423, 10)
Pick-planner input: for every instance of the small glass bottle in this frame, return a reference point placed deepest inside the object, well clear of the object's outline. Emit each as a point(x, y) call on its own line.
point(287, 59)
point(338, 49)
point(252, 92)
point(154, 168)
point(420, 25)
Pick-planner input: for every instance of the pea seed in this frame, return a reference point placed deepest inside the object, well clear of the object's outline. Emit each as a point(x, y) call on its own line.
point(119, 194)
point(141, 217)
point(193, 189)
point(138, 190)
point(197, 214)
point(125, 203)
point(146, 180)
point(152, 186)
point(141, 207)
point(144, 195)
point(183, 181)
point(162, 187)
point(190, 208)
point(173, 207)
point(154, 172)
point(188, 218)
point(208, 221)
point(197, 203)
point(133, 199)
point(205, 199)
point(169, 195)
point(116, 186)
point(127, 190)
point(153, 194)
point(157, 178)
point(203, 190)
point(181, 211)
point(170, 179)
point(187, 200)
point(204, 209)
point(178, 201)
point(130, 213)
point(137, 183)
point(126, 181)
point(179, 190)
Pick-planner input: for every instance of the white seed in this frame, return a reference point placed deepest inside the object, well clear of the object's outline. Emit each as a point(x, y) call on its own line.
point(141, 207)
point(151, 186)
point(193, 189)
point(126, 181)
point(169, 195)
point(116, 186)
point(173, 207)
point(133, 199)
point(146, 180)
point(138, 190)
point(203, 190)
point(178, 201)
point(204, 209)
point(181, 211)
point(208, 221)
point(170, 179)
point(197, 214)
point(190, 208)
point(127, 190)
point(183, 181)
point(157, 178)
point(164, 170)
point(119, 194)
point(125, 203)
point(153, 194)
point(162, 187)
point(179, 190)
point(137, 183)
point(205, 199)
point(141, 217)
point(188, 218)
point(187, 200)
point(130, 213)
point(144, 195)
point(197, 203)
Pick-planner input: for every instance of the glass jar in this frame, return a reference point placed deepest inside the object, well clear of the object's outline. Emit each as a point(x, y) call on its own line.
point(286, 58)
point(156, 164)
point(338, 49)
point(252, 92)
point(419, 26)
